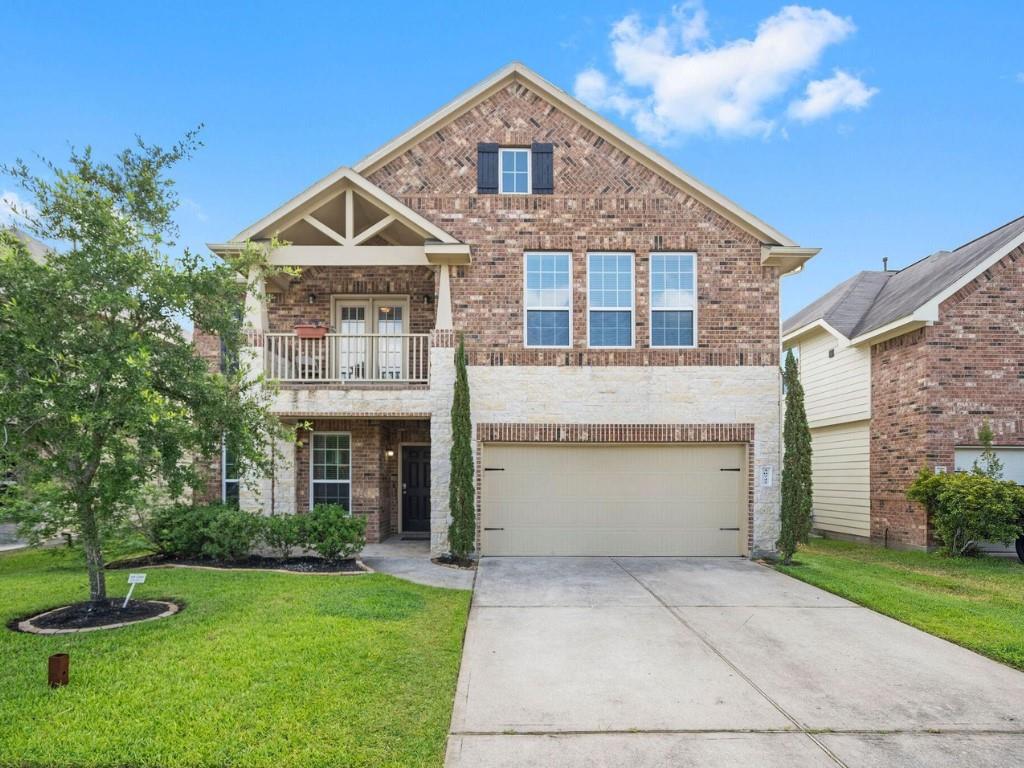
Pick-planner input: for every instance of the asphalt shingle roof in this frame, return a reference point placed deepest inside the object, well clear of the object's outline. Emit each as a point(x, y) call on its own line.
point(870, 300)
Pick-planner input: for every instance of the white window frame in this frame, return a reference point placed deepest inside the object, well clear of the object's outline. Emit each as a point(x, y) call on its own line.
point(650, 300)
point(501, 170)
point(224, 479)
point(371, 301)
point(527, 309)
point(632, 301)
point(312, 482)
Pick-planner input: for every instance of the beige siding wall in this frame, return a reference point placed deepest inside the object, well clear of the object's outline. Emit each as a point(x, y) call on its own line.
point(841, 473)
point(836, 389)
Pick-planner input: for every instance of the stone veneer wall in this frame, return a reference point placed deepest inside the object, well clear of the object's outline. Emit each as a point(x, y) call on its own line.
point(740, 398)
point(932, 389)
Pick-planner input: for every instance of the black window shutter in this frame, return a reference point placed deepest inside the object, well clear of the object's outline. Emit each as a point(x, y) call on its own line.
point(542, 163)
point(487, 169)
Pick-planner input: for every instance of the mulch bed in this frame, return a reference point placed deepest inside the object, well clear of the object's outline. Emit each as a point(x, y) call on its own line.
point(251, 563)
point(87, 616)
point(454, 562)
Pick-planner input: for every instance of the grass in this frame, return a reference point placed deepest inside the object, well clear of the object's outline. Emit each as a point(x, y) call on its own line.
point(975, 602)
point(258, 670)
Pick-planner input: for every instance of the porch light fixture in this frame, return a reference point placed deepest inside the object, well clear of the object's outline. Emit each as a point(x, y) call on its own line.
point(311, 298)
point(389, 453)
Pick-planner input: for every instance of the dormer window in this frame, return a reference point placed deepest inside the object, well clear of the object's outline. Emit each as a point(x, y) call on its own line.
point(514, 171)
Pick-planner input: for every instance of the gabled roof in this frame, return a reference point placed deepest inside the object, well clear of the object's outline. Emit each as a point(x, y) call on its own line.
point(870, 304)
point(328, 187)
point(517, 72)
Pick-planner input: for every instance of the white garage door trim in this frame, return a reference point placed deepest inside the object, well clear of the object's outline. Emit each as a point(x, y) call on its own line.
point(699, 505)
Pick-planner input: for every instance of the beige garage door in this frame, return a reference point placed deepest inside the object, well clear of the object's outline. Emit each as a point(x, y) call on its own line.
point(544, 499)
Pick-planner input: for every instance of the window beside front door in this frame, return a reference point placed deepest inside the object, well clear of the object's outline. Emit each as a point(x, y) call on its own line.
point(673, 300)
point(331, 469)
point(548, 299)
point(610, 299)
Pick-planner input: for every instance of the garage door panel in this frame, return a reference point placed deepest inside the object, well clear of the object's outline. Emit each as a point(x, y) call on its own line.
point(613, 499)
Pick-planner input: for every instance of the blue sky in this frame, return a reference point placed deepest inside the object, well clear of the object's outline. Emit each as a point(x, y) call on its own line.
point(910, 144)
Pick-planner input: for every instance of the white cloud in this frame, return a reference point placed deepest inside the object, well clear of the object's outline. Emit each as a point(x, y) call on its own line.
point(194, 208)
point(824, 97)
point(13, 208)
point(674, 81)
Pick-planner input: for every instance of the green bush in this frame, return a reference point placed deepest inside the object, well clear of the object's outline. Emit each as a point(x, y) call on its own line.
point(231, 534)
point(283, 533)
point(216, 531)
point(180, 530)
point(967, 508)
point(333, 533)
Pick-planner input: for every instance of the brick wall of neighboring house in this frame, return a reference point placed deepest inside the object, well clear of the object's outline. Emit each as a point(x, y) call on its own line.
point(291, 307)
point(208, 348)
point(603, 200)
point(934, 388)
point(374, 477)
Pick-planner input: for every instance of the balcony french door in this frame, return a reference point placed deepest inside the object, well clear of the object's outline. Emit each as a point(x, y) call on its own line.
point(379, 347)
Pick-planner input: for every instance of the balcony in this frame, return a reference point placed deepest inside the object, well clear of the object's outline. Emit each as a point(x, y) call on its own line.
point(347, 358)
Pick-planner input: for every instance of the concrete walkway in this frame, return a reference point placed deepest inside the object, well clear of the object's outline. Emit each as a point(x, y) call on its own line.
point(712, 662)
point(410, 560)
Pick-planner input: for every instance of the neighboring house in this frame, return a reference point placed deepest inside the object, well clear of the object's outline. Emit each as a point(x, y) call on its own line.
point(620, 318)
point(900, 370)
point(36, 249)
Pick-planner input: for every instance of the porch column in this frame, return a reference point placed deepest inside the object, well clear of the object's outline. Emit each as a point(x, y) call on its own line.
point(255, 322)
point(444, 298)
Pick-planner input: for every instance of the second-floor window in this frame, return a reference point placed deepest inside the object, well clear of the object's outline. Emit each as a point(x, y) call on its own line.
point(548, 299)
point(673, 300)
point(514, 171)
point(610, 299)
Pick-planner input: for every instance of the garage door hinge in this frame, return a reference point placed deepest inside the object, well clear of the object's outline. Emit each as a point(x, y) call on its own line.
point(729, 469)
point(502, 529)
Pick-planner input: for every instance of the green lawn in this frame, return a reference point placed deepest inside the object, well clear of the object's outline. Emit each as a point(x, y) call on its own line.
point(977, 602)
point(258, 670)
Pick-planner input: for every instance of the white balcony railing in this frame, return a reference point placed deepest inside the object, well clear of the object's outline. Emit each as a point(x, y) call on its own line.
point(347, 358)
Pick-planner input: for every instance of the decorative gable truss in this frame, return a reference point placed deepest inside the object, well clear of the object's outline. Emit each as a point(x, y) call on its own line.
point(345, 220)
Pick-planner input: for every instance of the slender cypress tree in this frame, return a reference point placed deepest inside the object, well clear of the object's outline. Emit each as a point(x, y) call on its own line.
point(462, 531)
point(796, 467)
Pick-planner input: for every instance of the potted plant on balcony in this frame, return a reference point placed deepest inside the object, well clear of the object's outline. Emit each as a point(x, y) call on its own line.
point(312, 330)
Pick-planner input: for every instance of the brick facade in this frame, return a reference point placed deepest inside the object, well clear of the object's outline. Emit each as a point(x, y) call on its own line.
point(375, 476)
point(932, 389)
point(603, 200)
point(208, 348)
point(293, 306)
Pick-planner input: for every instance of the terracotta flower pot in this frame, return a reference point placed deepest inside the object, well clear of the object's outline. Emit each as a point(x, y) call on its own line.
point(310, 331)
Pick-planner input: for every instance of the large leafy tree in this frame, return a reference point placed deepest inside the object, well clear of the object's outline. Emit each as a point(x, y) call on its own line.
point(102, 395)
point(796, 466)
point(462, 531)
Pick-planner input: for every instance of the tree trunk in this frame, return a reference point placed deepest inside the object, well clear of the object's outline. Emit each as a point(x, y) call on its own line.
point(93, 553)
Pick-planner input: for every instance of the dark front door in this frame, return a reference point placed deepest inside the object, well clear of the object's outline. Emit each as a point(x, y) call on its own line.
point(416, 488)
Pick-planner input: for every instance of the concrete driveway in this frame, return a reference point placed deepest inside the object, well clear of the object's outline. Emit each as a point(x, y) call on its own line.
point(712, 662)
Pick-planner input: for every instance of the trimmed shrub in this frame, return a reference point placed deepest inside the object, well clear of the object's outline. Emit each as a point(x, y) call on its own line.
point(967, 508)
point(333, 533)
point(283, 533)
point(231, 534)
point(215, 531)
point(180, 530)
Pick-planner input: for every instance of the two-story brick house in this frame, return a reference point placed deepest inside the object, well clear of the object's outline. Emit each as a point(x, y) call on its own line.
point(621, 321)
